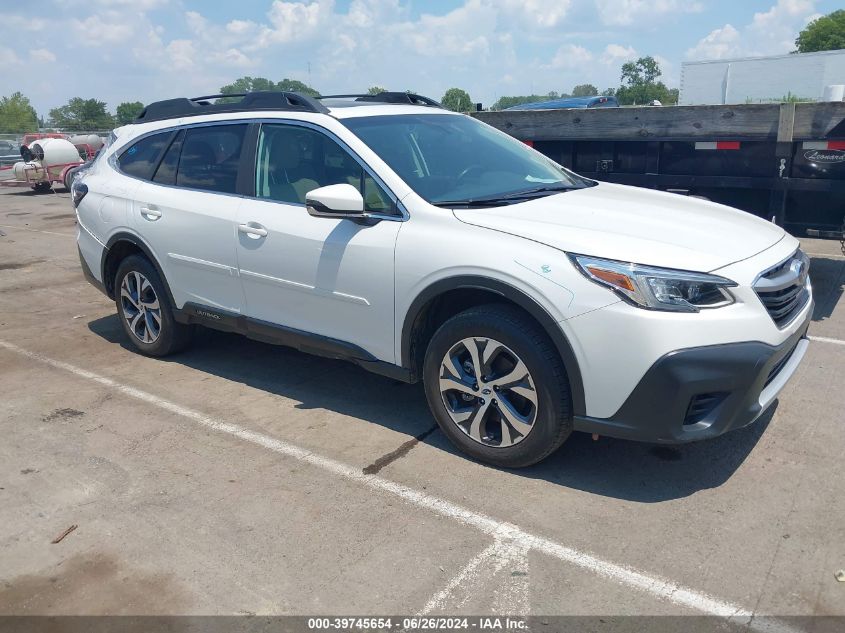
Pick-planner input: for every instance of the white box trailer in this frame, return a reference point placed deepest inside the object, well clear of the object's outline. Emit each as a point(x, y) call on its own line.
point(761, 79)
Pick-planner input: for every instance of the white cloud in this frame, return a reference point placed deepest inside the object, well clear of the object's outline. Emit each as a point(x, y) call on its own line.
point(535, 13)
point(41, 55)
point(770, 32)
point(294, 21)
point(570, 56)
point(615, 53)
point(181, 54)
point(628, 12)
point(8, 57)
point(103, 30)
point(718, 44)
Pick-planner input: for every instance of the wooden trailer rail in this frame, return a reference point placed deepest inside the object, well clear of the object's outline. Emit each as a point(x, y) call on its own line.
point(781, 161)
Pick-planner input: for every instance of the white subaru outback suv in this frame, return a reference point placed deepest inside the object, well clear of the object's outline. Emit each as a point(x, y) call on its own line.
point(425, 245)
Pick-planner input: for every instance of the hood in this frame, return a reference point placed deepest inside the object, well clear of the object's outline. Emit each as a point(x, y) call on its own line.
point(634, 225)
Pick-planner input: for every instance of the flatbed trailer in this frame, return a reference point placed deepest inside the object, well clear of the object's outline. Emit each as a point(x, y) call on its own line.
point(784, 162)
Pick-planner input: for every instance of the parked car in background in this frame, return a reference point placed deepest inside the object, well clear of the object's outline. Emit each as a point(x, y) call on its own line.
point(569, 102)
point(9, 153)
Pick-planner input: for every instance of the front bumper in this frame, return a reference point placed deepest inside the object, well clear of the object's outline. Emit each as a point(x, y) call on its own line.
point(702, 392)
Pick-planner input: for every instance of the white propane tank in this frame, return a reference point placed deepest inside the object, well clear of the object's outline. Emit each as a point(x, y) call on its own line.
point(87, 139)
point(32, 170)
point(56, 151)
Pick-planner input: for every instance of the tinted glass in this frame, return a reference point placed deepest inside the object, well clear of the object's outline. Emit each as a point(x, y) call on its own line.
point(141, 158)
point(293, 160)
point(210, 157)
point(166, 172)
point(450, 158)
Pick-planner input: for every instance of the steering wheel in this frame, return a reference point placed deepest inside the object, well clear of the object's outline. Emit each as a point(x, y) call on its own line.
point(469, 170)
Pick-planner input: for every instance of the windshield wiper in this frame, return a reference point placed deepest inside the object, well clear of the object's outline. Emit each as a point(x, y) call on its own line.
point(508, 198)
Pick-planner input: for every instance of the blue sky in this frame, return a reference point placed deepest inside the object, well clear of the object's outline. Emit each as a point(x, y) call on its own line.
point(127, 50)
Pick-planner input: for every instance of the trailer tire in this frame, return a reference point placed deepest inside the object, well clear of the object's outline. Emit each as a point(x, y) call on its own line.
point(42, 187)
point(68, 179)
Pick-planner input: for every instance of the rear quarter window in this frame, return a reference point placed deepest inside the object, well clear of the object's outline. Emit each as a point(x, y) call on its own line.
point(141, 158)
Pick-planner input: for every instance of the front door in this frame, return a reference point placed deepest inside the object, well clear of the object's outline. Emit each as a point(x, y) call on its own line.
point(324, 276)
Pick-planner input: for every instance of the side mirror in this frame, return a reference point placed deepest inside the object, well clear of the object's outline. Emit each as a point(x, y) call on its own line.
point(335, 201)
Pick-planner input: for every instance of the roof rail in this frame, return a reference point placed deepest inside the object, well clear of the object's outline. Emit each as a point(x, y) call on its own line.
point(388, 97)
point(250, 101)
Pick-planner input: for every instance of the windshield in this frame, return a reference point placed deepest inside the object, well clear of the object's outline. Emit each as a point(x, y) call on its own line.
point(456, 160)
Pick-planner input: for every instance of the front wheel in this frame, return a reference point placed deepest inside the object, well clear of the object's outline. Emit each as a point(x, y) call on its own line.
point(145, 311)
point(497, 386)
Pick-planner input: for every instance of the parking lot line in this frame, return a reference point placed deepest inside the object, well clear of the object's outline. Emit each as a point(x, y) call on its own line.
point(23, 228)
point(834, 255)
point(824, 339)
point(500, 530)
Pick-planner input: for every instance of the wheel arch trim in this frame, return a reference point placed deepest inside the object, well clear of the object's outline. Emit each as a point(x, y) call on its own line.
point(516, 296)
point(125, 236)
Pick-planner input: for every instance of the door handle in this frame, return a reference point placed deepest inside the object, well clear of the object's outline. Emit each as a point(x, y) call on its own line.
point(252, 231)
point(150, 213)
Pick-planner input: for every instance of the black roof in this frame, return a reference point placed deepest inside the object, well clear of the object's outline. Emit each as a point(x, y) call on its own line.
point(266, 100)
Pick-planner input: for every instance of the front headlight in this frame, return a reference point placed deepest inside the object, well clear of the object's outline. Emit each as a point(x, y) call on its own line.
point(657, 288)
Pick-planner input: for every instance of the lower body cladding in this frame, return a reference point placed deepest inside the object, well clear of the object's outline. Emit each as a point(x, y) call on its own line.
point(702, 392)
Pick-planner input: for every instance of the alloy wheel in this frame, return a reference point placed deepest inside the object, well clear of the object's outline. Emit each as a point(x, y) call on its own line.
point(488, 392)
point(140, 307)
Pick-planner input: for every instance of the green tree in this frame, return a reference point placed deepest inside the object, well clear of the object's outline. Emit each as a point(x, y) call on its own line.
point(374, 90)
point(585, 90)
point(826, 33)
point(82, 114)
point(640, 83)
point(457, 100)
point(17, 114)
point(252, 84)
point(294, 85)
point(127, 112)
point(608, 92)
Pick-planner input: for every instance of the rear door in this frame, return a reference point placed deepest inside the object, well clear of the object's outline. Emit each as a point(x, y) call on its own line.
point(187, 215)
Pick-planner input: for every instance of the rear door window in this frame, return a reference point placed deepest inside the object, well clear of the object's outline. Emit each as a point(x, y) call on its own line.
point(142, 157)
point(210, 156)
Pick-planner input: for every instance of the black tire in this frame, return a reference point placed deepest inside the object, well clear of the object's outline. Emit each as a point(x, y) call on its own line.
point(172, 336)
point(511, 327)
point(42, 187)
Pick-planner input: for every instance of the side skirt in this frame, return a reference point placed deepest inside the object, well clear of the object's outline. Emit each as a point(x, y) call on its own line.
point(274, 334)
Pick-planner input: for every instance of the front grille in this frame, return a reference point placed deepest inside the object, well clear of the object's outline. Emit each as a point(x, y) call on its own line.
point(701, 406)
point(783, 288)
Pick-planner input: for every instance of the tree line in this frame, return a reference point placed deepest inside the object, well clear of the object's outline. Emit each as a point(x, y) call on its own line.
point(78, 114)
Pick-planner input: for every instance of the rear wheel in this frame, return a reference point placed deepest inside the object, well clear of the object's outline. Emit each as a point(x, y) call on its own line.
point(145, 310)
point(42, 187)
point(497, 387)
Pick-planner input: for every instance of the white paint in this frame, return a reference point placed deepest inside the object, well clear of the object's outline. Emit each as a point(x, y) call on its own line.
point(500, 530)
point(824, 339)
point(466, 577)
point(826, 255)
point(485, 568)
point(21, 228)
